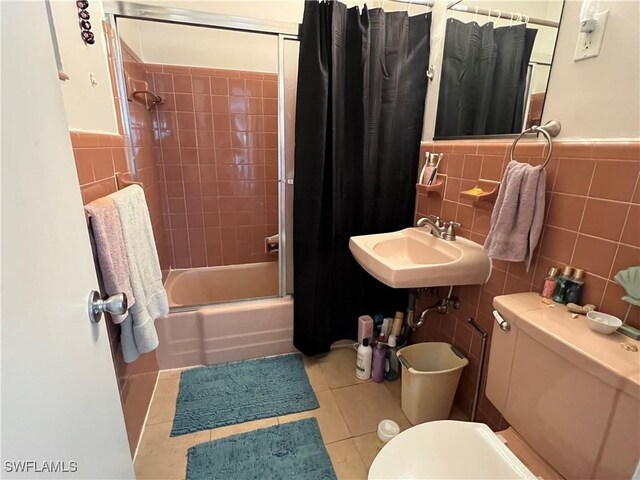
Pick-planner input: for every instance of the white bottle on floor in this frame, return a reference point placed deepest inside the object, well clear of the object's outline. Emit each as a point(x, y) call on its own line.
point(363, 362)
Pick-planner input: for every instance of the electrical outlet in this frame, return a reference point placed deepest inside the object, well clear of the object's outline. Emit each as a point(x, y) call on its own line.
point(589, 44)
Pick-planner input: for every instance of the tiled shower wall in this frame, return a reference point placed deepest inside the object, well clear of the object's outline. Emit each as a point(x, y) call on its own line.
point(147, 163)
point(592, 222)
point(216, 137)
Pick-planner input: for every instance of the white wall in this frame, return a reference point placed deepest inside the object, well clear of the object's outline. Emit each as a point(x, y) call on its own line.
point(89, 108)
point(598, 97)
point(202, 47)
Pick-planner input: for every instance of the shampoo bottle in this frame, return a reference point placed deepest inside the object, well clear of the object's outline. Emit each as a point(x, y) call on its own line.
point(397, 324)
point(377, 369)
point(365, 328)
point(363, 361)
point(549, 284)
point(564, 282)
point(574, 291)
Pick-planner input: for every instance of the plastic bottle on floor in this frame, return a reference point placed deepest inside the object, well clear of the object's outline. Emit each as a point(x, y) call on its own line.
point(379, 357)
point(363, 361)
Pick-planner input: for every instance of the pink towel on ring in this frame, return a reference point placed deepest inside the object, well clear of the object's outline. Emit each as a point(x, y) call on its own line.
point(112, 257)
point(516, 221)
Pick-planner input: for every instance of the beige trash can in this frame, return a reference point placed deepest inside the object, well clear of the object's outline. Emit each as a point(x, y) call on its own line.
point(430, 375)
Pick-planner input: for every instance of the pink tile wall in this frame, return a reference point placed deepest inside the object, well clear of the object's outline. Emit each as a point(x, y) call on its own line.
point(592, 222)
point(216, 138)
point(147, 162)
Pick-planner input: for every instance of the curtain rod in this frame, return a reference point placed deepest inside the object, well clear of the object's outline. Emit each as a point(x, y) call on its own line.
point(424, 3)
point(494, 13)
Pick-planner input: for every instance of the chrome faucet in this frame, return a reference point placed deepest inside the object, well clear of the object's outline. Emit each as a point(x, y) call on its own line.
point(439, 229)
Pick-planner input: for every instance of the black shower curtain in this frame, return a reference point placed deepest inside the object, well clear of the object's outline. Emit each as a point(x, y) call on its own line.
point(484, 73)
point(360, 104)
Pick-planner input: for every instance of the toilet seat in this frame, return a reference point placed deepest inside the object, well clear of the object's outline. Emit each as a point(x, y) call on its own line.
point(447, 449)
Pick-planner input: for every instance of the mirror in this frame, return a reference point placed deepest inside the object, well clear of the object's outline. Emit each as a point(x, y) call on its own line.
point(496, 64)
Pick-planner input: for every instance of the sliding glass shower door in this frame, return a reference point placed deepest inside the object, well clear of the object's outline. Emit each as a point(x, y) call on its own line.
point(215, 153)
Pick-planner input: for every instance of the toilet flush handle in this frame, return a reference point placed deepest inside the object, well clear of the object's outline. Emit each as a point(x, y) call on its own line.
point(504, 324)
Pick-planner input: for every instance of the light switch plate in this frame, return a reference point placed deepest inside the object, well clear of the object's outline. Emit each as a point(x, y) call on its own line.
point(589, 44)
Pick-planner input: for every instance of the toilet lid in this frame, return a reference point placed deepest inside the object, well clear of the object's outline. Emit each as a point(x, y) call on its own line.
point(447, 449)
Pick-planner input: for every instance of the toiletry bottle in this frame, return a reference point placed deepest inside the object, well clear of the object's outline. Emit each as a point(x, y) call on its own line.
point(365, 328)
point(562, 285)
point(397, 324)
point(387, 323)
point(363, 361)
point(392, 367)
point(549, 284)
point(574, 291)
point(377, 322)
point(377, 368)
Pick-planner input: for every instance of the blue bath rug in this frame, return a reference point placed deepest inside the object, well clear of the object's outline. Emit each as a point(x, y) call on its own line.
point(230, 393)
point(292, 450)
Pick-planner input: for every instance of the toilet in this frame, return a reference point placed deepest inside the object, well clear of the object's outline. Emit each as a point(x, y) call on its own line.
point(571, 396)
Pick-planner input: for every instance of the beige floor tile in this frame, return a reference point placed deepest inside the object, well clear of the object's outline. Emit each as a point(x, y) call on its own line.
point(367, 446)
point(339, 367)
point(314, 371)
point(163, 457)
point(395, 388)
point(163, 406)
point(229, 430)
point(332, 425)
point(363, 406)
point(165, 374)
point(346, 460)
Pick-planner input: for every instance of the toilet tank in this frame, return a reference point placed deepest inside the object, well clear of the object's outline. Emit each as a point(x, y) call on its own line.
point(572, 394)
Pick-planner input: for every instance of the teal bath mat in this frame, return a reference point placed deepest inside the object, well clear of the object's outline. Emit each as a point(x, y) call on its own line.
point(292, 450)
point(238, 392)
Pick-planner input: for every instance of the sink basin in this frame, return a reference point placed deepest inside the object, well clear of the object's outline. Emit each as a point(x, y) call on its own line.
point(413, 258)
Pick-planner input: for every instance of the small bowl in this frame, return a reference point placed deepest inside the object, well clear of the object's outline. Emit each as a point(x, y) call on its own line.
point(603, 323)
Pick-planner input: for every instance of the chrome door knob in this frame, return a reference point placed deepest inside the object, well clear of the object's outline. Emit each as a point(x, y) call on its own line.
point(116, 304)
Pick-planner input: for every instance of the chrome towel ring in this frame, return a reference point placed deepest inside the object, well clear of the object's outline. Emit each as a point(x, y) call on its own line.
point(549, 130)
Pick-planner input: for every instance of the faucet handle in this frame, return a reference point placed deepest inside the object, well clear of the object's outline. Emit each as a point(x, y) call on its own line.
point(450, 230)
point(436, 220)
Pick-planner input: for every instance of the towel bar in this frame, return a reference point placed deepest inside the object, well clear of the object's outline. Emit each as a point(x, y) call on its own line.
point(105, 186)
point(550, 129)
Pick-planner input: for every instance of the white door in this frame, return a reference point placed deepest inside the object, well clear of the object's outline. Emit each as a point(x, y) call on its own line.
point(60, 403)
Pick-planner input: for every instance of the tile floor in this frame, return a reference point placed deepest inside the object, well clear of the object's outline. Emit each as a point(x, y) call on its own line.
point(348, 416)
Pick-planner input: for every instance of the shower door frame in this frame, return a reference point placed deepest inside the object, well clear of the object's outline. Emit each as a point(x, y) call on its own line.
point(114, 9)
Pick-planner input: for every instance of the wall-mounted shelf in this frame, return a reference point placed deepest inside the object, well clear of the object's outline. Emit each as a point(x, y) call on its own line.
point(138, 90)
point(437, 186)
point(485, 190)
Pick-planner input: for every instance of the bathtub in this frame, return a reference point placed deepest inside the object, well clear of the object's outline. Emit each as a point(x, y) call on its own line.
point(228, 331)
point(207, 285)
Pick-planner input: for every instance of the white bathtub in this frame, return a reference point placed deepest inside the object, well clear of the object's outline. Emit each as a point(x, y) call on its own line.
point(223, 332)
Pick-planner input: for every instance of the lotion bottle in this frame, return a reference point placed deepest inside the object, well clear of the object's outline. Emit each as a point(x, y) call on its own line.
point(363, 361)
point(377, 368)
